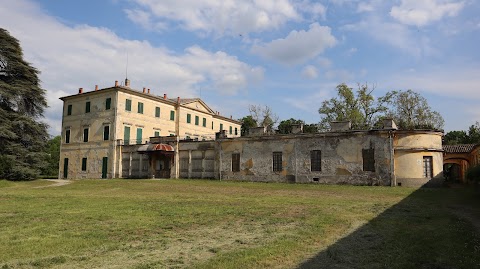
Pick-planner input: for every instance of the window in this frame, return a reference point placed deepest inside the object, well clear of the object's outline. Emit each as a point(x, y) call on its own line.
point(140, 107)
point(128, 105)
point(67, 136)
point(236, 162)
point(87, 107)
point(157, 133)
point(230, 130)
point(189, 118)
point(204, 123)
point(236, 131)
point(108, 103)
point(139, 135)
point(427, 166)
point(172, 115)
point(197, 120)
point(85, 135)
point(212, 125)
point(157, 112)
point(106, 132)
point(69, 110)
point(221, 126)
point(84, 164)
point(368, 156)
point(277, 162)
point(316, 160)
point(126, 135)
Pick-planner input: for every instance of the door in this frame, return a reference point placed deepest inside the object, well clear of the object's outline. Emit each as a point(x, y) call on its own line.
point(65, 168)
point(104, 167)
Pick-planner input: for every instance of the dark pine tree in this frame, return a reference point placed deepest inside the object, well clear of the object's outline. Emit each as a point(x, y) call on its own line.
point(22, 103)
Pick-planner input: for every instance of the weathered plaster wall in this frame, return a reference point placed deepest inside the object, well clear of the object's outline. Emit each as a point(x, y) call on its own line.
point(342, 161)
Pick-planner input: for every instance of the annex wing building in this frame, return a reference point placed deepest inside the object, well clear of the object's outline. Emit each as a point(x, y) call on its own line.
point(119, 132)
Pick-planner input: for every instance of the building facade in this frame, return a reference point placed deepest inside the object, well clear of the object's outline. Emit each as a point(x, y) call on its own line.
point(96, 124)
point(458, 159)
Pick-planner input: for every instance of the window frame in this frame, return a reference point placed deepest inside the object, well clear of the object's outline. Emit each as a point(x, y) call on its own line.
point(277, 161)
point(427, 166)
point(235, 162)
point(316, 160)
point(128, 105)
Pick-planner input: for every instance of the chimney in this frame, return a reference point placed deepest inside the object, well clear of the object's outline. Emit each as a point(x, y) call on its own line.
point(339, 126)
point(389, 124)
point(164, 96)
point(96, 87)
point(127, 82)
point(148, 91)
point(178, 100)
point(116, 83)
point(80, 90)
point(144, 89)
point(297, 128)
point(257, 131)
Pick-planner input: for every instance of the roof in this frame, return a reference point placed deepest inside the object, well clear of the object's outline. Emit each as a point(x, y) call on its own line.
point(462, 148)
point(155, 147)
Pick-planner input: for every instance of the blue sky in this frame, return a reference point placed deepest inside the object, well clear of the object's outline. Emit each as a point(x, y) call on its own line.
point(286, 54)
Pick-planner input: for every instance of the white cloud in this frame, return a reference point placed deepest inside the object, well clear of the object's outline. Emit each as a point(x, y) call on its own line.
point(144, 19)
point(421, 13)
point(339, 75)
point(82, 56)
point(310, 72)
point(220, 17)
point(324, 62)
point(365, 7)
point(298, 46)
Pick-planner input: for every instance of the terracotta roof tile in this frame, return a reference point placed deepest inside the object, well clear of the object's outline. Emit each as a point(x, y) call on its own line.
point(463, 148)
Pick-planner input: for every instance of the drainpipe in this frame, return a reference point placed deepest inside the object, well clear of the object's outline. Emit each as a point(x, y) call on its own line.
point(177, 134)
point(393, 179)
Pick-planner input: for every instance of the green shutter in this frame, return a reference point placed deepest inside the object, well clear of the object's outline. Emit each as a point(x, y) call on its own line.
point(128, 105)
point(140, 108)
point(126, 135)
point(230, 130)
point(197, 120)
point(108, 103)
point(189, 118)
point(157, 112)
point(139, 135)
point(221, 126)
point(157, 133)
point(204, 122)
point(172, 115)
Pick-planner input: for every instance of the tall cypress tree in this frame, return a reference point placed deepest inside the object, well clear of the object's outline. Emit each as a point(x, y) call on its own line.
point(22, 103)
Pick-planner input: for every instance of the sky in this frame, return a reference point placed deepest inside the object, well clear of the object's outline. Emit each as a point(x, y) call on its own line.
point(286, 54)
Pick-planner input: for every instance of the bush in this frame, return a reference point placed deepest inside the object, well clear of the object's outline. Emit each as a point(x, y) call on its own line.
point(473, 173)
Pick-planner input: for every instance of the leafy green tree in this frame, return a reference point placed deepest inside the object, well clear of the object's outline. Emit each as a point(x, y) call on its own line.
point(22, 103)
point(474, 134)
point(247, 123)
point(310, 128)
point(362, 110)
point(411, 111)
point(52, 150)
point(455, 138)
point(285, 126)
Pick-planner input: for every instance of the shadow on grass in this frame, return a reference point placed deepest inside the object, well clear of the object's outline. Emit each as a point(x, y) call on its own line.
point(425, 230)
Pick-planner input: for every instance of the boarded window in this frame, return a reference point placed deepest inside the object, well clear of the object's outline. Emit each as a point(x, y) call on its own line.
point(87, 107)
point(69, 110)
point(368, 156)
point(140, 107)
point(157, 112)
point(106, 132)
point(108, 103)
point(128, 105)
point(172, 115)
point(67, 136)
point(84, 164)
point(427, 166)
point(189, 118)
point(277, 161)
point(316, 160)
point(236, 162)
point(85, 135)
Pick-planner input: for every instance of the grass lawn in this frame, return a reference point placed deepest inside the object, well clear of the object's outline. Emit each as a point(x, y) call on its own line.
point(216, 224)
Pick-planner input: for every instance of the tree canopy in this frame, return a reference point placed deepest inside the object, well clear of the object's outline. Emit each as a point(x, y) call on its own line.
point(22, 103)
point(286, 126)
point(247, 123)
point(409, 109)
point(472, 136)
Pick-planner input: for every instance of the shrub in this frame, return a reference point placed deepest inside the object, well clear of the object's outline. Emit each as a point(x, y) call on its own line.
point(473, 173)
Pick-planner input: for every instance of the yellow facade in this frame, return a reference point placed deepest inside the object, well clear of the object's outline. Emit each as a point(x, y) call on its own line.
point(96, 123)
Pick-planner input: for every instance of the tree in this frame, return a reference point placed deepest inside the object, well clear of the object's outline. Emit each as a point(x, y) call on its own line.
point(285, 126)
point(310, 128)
point(411, 111)
point(263, 116)
point(52, 149)
point(462, 137)
point(362, 110)
point(22, 103)
point(247, 123)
